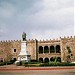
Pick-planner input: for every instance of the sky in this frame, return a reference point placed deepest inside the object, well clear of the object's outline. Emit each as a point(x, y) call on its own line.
point(40, 19)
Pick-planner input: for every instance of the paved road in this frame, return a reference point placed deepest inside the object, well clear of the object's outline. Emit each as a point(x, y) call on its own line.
point(39, 72)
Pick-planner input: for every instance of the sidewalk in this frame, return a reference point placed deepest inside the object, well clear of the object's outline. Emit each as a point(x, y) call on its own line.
point(12, 66)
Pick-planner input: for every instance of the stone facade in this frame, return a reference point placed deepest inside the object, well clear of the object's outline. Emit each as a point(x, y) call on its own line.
point(9, 50)
point(46, 50)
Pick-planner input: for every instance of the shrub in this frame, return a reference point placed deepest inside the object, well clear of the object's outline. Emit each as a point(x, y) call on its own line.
point(33, 62)
point(57, 64)
point(2, 63)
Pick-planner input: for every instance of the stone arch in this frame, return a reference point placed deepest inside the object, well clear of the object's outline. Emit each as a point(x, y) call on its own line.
point(52, 59)
point(58, 59)
point(41, 60)
point(46, 49)
point(46, 60)
point(57, 48)
point(52, 50)
point(40, 49)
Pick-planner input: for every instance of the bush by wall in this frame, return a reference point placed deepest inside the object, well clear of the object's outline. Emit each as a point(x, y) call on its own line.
point(2, 63)
point(37, 64)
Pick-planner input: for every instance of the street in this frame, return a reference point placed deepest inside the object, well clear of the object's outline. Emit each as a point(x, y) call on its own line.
point(39, 72)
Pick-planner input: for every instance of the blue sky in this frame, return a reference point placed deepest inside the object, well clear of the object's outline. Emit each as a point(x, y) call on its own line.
point(40, 19)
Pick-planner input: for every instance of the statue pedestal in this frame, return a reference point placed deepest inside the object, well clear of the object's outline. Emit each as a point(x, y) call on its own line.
point(23, 56)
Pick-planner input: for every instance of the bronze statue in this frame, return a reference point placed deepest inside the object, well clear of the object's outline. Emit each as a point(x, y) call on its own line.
point(24, 36)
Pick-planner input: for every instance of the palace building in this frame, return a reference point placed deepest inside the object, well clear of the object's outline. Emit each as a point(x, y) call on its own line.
point(62, 50)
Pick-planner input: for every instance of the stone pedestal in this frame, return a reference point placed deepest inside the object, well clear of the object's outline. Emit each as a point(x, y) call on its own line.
point(23, 56)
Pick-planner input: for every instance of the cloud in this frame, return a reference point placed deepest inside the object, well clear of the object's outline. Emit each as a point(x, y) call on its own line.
point(40, 19)
point(57, 17)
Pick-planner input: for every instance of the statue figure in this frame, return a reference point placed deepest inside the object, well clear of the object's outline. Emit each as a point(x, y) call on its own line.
point(24, 36)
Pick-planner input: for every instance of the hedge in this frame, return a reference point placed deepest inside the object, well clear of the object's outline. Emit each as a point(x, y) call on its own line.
point(57, 64)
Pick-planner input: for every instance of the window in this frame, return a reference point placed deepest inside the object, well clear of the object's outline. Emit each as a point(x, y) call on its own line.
point(71, 54)
point(1, 59)
point(69, 50)
point(14, 50)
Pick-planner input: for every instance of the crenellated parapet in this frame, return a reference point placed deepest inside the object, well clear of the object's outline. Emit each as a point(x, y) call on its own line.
point(8, 41)
point(50, 41)
point(41, 41)
point(31, 40)
point(68, 37)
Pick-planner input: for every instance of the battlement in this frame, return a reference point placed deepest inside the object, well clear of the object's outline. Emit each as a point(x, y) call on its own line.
point(32, 40)
point(46, 40)
point(50, 40)
point(58, 39)
point(68, 37)
point(7, 41)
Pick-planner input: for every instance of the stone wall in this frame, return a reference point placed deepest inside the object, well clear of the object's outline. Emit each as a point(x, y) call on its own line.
point(32, 48)
point(7, 49)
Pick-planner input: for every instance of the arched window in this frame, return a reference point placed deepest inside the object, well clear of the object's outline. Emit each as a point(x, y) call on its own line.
point(52, 50)
point(41, 60)
point(46, 49)
point(46, 60)
point(40, 49)
point(58, 49)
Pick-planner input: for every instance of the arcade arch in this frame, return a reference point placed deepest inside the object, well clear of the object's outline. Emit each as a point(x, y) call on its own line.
point(57, 48)
point(46, 60)
point(52, 50)
point(52, 59)
point(40, 49)
point(46, 49)
point(41, 60)
point(58, 59)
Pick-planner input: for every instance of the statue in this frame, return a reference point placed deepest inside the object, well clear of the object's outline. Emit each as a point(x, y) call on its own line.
point(24, 36)
point(23, 55)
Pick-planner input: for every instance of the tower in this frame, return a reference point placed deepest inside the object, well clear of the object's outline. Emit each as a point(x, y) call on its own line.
point(23, 56)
